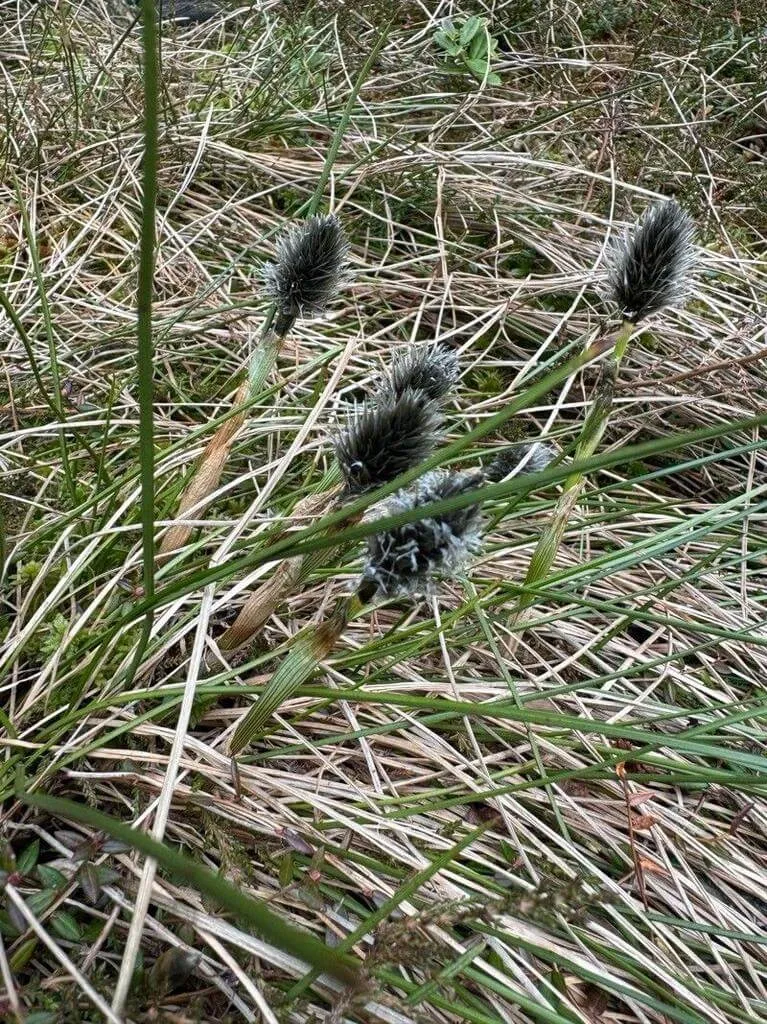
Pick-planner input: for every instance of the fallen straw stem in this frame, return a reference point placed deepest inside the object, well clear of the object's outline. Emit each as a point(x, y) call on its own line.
point(288, 575)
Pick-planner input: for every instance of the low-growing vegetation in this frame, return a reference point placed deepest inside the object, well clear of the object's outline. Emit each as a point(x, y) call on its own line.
point(383, 512)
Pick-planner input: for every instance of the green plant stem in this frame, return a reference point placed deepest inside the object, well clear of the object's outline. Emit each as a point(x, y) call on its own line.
point(591, 434)
point(145, 350)
point(34, 254)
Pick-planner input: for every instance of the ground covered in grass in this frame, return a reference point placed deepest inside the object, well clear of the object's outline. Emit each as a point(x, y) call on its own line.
point(563, 823)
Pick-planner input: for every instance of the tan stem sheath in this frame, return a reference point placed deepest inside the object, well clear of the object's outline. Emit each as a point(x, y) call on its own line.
point(545, 552)
point(261, 604)
point(206, 477)
point(288, 575)
point(309, 648)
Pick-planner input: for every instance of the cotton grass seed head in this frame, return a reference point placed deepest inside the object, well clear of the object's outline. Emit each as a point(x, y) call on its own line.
point(311, 258)
point(406, 559)
point(527, 458)
point(431, 368)
point(648, 268)
point(387, 438)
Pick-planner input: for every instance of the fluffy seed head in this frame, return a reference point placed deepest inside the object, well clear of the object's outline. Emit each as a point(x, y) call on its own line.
point(387, 438)
point(648, 269)
point(310, 263)
point(431, 368)
point(405, 560)
point(536, 457)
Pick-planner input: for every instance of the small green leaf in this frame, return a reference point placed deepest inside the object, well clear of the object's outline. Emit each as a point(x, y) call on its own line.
point(470, 28)
point(68, 838)
point(107, 875)
point(39, 902)
point(114, 846)
point(477, 67)
point(478, 47)
point(171, 970)
point(90, 882)
point(12, 922)
point(66, 926)
point(450, 46)
point(18, 961)
point(27, 859)
point(50, 877)
point(286, 870)
point(41, 1017)
point(508, 851)
point(7, 857)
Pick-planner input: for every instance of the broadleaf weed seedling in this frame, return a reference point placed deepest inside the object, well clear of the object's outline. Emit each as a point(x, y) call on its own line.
point(469, 48)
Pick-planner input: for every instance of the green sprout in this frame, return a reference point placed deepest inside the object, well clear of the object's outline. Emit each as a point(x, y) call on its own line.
point(470, 48)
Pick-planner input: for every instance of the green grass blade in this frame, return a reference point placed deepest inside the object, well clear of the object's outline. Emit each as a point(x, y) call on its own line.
point(250, 912)
point(145, 349)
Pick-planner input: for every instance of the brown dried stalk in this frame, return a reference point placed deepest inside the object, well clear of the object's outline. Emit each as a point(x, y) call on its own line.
point(289, 574)
point(206, 477)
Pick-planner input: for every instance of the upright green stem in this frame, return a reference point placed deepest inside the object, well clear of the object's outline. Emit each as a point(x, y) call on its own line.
point(591, 434)
point(34, 254)
point(145, 348)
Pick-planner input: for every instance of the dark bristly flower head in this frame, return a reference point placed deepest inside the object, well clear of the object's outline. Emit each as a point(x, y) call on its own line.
point(405, 559)
point(527, 457)
point(430, 368)
point(310, 263)
point(649, 268)
point(387, 438)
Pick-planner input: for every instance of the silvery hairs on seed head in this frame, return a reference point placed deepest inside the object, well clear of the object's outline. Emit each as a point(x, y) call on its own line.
point(431, 368)
point(649, 268)
point(406, 559)
point(311, 260)
point(386, 438)
point(527, 457)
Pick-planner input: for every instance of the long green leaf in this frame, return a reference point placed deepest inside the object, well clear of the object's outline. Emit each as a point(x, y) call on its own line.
point(145, 340)
point(247, 910)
